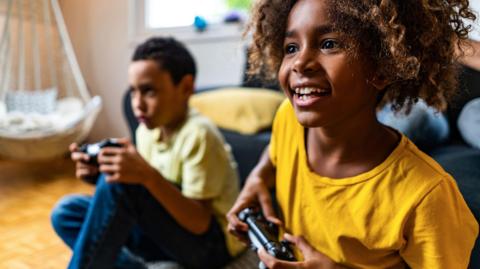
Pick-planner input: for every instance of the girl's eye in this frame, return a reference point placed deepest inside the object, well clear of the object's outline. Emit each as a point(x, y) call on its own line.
point(329, 44)
point(290, 48)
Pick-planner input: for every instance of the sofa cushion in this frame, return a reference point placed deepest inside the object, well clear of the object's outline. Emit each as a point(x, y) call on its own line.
point(463, 163)
point(469, 123)
point(240, 109)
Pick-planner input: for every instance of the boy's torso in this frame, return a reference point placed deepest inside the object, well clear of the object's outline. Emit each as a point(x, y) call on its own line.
point(196, 159)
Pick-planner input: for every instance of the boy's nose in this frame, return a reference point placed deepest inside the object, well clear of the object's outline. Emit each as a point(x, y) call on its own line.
point(138, 103)
point(306, 62)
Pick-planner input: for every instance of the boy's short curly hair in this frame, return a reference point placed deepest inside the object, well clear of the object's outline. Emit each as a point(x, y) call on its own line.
point(170, 54)
point(411, 43)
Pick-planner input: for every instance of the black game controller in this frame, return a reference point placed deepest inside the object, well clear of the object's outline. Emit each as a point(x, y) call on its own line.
point(92, 150)
point(262, 234)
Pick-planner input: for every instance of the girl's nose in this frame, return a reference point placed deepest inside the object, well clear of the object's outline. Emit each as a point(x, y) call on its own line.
point(306, 62)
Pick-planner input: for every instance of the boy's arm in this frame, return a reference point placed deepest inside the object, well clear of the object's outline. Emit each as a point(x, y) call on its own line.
point(193, 215)
point(126, 165)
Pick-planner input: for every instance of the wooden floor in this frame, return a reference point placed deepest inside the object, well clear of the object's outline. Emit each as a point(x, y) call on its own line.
point(28, 191)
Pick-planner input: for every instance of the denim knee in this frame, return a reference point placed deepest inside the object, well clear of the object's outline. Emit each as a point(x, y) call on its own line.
point(103, 187)
point(67, 208)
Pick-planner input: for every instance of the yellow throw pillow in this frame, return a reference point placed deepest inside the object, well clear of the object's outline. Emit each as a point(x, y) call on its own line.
point(244, 110)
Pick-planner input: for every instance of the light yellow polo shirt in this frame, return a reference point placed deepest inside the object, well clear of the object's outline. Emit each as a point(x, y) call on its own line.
point(407, 211)
point(197, 159)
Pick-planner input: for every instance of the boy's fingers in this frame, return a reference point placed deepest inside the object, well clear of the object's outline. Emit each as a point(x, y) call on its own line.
point(123, 141)
point(111, 178)
point(111, 151)
point(107, 159)
point(73, 147)
point(79, 156)
point(109, 168)
point(85, 172)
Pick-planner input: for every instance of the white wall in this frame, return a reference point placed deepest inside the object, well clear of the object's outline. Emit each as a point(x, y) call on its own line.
point(99, 33)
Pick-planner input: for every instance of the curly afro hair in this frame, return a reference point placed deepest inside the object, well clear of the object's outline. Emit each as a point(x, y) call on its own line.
point(411, 43)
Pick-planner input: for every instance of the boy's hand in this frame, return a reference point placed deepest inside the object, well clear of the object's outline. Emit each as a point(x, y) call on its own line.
point(83, 170)
point(124, 164)
point(254, 193)
point(312, 258)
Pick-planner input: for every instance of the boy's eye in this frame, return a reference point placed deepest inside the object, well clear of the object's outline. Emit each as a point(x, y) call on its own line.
point(147, 90)
point(290, 48)
point(329, 44)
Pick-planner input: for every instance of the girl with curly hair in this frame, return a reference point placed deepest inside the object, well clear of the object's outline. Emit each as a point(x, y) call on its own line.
point(352, 192)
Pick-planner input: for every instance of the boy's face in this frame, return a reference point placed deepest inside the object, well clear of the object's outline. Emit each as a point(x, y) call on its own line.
point(156, 100)
point(326, 84)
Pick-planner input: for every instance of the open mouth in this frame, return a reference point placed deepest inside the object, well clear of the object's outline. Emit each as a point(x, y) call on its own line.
point(305, 93)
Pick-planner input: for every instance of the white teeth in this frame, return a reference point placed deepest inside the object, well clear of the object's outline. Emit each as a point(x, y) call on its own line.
point(309, 90)
point(304, 97)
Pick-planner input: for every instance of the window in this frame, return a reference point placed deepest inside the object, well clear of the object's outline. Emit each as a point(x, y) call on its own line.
point(176, 17)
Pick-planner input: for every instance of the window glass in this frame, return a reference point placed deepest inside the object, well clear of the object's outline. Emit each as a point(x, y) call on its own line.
point(181, 13)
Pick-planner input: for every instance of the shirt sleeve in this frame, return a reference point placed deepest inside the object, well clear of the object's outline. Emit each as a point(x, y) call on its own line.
point(441, 231)
point(142, 141)
point(204, 165)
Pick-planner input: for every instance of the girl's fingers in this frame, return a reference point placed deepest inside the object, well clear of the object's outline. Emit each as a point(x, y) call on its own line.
point(234, 221)
point(267, 208)
point(272, 262)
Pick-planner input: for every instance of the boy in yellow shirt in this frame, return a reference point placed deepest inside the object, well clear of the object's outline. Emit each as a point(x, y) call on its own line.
point(165, 199)
point(352, 192)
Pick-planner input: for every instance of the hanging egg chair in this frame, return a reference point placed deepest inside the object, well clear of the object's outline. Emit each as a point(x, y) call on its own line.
point(44, 101)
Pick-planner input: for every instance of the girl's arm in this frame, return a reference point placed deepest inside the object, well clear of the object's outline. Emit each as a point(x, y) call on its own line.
point(255, 192)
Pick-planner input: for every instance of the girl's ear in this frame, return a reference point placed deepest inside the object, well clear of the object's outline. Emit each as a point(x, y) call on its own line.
point(379, 82)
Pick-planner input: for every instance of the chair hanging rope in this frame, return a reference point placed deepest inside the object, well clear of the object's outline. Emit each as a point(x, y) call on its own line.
point(44, 101)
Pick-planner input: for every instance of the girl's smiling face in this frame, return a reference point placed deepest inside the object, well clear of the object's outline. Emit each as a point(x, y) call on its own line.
point(327, 84)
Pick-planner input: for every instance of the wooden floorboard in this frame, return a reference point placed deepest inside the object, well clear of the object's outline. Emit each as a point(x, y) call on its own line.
point(28, 192)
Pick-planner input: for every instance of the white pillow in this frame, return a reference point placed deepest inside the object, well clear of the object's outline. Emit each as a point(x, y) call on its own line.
point(469, 123)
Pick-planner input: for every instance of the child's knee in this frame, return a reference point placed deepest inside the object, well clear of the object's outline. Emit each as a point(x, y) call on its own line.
point(67, 207)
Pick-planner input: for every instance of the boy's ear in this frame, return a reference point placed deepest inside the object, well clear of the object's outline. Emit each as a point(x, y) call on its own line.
point(187, 84)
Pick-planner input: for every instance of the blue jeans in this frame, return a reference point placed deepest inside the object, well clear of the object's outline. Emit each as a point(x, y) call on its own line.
point(120, 219)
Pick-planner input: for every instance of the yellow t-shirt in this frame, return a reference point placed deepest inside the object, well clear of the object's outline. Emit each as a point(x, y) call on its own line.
point(197, 159)
point(405, 211)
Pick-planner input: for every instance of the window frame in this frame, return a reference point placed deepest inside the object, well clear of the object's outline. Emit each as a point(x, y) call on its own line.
point(214, 32)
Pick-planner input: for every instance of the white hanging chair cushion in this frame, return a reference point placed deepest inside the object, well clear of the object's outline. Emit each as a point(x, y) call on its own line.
point(3, 110)
point(40, 101)
point(67, 111)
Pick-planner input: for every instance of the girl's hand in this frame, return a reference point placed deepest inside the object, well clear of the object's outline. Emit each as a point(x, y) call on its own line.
point(312, 258)
point(83, 170)
point(254, 193)
point(124, 164)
